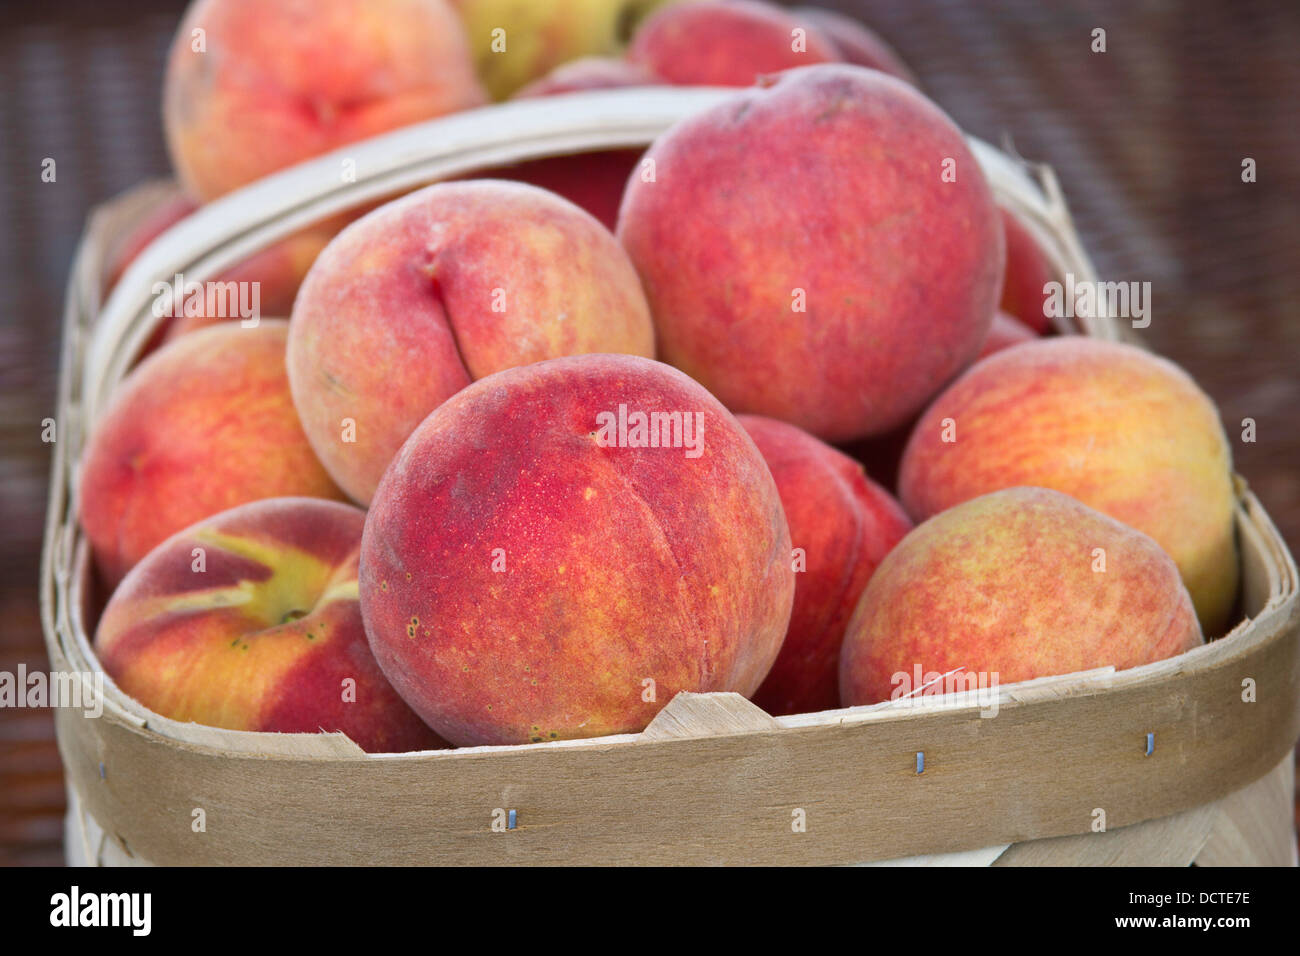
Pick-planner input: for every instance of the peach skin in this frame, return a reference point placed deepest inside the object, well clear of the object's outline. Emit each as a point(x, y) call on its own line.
point(1010, 586)
point(712, 43)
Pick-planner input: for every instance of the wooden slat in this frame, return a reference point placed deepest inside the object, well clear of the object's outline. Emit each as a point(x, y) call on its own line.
point(708, 715)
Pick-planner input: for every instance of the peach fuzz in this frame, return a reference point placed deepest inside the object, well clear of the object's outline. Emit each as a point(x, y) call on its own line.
point(714, 43)
point(281, 81)
point(1124, 431)
point(435, 290)
point(1008, 587)
point(856, 43)
point(843, 524)
point(202, 425)
point(263, 635)
point(803, 256)
point(533, 569)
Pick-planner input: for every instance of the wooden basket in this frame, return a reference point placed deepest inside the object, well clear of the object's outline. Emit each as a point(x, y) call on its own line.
point(713, 779)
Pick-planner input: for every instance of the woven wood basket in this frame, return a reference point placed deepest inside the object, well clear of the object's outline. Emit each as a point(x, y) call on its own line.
point(713, 779)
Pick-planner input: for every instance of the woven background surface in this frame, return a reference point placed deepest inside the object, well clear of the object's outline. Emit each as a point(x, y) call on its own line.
point(1147, 139)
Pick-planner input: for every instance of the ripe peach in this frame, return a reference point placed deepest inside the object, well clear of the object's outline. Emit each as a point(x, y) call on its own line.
point(249, 620)
point(855, 42)
point(203, 424)
point(1018, 584)
point(276, 82)
point(1124, 431)
point(559, 549)
point(715, 43)
point(842, 525)
point(449, 284)
point(1028, 271)
point(807, 255)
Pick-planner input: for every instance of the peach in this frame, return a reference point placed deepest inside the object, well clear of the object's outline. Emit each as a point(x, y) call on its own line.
point(807, 255)
point(1005, 332)
point(202, 425)
point(250, 620)
point(561, 548)
point(715, 43)
point(855, 42)
point(1124, 431)
point(1028, 271)
point(1010, 586)
point(518, 41)
point(276, 82)
point(842, 525)
point(449, 284)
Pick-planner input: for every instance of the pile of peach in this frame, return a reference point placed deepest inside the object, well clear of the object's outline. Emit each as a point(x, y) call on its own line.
point(501, 474)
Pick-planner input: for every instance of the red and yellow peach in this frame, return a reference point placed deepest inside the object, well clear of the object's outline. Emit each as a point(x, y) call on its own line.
point(561, 548)
point(1010, 586)
point(250, 620)
point(253, 86)
point(824, 250)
